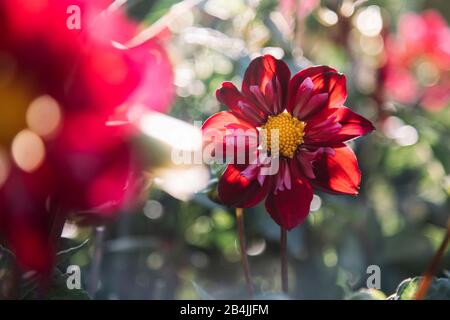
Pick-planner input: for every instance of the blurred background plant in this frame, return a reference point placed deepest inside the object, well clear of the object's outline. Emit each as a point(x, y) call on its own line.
point(188, 249)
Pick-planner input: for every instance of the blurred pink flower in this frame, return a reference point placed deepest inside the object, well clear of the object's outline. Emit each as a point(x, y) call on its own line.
point(60, 152)
point(418, 61)
point(302, 8)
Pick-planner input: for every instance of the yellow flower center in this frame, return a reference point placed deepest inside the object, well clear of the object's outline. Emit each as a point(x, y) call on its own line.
point(290, 134)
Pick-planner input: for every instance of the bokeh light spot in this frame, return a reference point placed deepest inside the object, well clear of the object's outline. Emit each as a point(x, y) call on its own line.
point(256, 247)
point(28, 150)
point(330, 257)
point(347, 8)
point(316, 203)
point(153, 209)
point(407, 136)
point(44, 116)
point(155, 261)
point(369, 21)
point(327, 17)
point(427, 73)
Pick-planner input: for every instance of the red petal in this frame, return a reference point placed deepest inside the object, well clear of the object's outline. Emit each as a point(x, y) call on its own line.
point(325, 80)
point(290, 207)
point(335, 126)
point(353, 124)
point(223, 119)
point(335, 84)
point(272, 77)
point(316, 103)
point(31, 244)
point(236, 190)
point(301, 76)
point(156, 89)
point(114, 187)
point(242, 107)
point(223, 130)
point(25, 223)
point(338, 173)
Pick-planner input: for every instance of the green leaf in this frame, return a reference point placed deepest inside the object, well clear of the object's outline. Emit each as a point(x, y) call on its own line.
point(159, 9)
point(367, 294)
point(7, 274)
point(64, 255)
point(6, 257)
point(439, 289)
point(266, 7)
point(217, 169)
point(58, 290)
point(138, 9)
point(201, 292)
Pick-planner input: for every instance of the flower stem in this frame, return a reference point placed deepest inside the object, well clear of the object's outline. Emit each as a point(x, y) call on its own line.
point(94, 272)
point(432, 268)
point(10, 286)
point(245, 264)
point(284, 261)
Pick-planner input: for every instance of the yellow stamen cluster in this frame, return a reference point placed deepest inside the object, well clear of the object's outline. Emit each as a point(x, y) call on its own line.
point(290, 133)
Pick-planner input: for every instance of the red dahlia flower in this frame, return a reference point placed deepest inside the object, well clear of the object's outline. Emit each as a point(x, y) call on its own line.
point(307, 112)
point(59, 88)
point(418, 61)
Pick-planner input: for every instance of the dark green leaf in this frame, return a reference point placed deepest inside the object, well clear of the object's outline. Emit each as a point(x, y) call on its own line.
point(438, 290)
point(66, 254)
point(367, 294)
point(58, 290)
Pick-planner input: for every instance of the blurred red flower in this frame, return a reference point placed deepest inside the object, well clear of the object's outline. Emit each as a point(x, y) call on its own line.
point(418, 61)
point(313, 125)
point(60, 90)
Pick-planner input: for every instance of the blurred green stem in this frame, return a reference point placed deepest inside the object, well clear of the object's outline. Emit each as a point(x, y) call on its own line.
point(433, 267)
point(245, 264)
point(94, 274)
point(59, 214)
point(284, 261)
point(10, 285)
